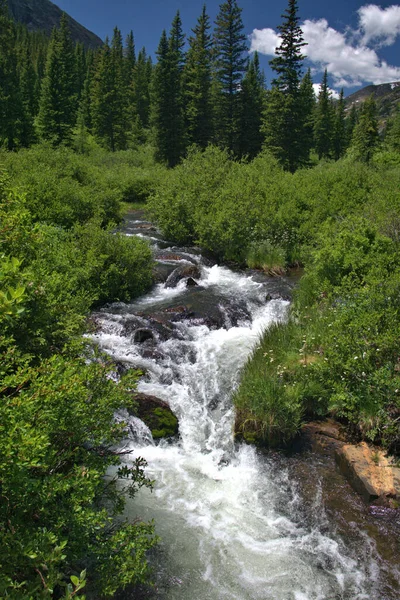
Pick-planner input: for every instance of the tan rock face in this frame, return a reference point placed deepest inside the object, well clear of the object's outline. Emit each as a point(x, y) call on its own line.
point(369, 472)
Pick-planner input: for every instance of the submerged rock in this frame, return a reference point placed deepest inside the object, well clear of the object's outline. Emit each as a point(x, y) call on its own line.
point(157, 415)
point(142, 335)
point(182, 272)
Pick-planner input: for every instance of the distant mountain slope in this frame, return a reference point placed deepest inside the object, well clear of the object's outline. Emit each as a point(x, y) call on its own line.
point(387, 96)
point(44, 15)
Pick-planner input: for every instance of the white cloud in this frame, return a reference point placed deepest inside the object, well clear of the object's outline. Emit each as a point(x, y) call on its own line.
point(264, 41)
point(346, 56)
point(380, 25)
point(349, 64)
point(334, 93)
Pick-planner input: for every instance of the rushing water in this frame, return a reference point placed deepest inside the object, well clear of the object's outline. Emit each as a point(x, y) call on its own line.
point(234, 523)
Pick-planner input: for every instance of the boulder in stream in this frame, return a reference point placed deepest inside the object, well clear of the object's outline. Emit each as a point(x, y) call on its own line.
point(142, 335)
point(157, 415)
point(182, 272)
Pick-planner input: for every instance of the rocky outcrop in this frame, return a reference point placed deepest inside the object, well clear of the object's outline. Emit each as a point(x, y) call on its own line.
point(157, 415)
point(370, 472)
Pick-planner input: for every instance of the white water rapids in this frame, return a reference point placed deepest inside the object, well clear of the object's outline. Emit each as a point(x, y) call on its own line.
point(230, 522)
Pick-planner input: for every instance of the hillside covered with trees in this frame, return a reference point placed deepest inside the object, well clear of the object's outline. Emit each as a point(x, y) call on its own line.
point(272, 179)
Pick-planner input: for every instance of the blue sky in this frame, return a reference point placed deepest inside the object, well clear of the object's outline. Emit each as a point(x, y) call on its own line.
point(358, 42)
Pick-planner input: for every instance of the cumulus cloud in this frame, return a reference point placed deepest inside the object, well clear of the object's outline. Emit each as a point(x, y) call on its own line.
point(379, 25)
point(334, 93)
point(350, 65)
point(347, 56)
point(265, 41)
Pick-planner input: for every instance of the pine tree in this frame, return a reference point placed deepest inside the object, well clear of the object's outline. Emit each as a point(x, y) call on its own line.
point(27, 86)
point(58, 106)
point(129, 59)
point(351, 122)
point(230, 44)
point(167, 97)
point(365, 134)
point(285, 129)
point(252, 103)
point(197, 83)
point(392, 137)
point(323, 126)
point(308, 104)
point(108, 106)
point(10, 99)
point(339, 129)
point(80, 69)
point(141, 88)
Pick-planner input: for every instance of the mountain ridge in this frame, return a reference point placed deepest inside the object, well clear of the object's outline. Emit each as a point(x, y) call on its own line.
point(387, 96)
point(44, 15)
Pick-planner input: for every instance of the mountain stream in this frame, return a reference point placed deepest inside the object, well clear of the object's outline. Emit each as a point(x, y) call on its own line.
point(235, 523)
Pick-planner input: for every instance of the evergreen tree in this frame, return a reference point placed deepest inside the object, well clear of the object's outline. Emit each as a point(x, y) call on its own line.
point(58, 106)
point(252, 102)
point(141, 88)
point(392, 137)
point(129, 59)
point(323, 125)
point(339, 129)
point(27, 86)
point(350, 122)
point(365, 134)
point(285, 124)
point(197, 81)
point(167, 97)
point(308, 104)
point(80, 69)
point(10, 99)
point(230, 44)
point(108, 106)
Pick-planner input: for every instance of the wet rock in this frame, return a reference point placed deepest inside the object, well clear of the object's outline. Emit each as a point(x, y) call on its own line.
point(142, 335)
point(145, 226)
point(152, 353)
point(157, 415)
point(132, 324)
point(182, 272)
point(233, 313)
point(370, 473)
point(323, 437)
point(190, 282)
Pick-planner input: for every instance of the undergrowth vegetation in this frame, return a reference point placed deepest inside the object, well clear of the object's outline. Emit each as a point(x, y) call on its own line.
point(60, 258)
point(339, 353)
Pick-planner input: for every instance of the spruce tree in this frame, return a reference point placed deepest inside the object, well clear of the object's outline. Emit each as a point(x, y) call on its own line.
point(339, 129)
point(141, 88)
point(392, 137)
point(108, 106)
point(308, 104)
point(351, 122)
point(129, 59)
point(167, 97)
point(323, 126)
point(286, 133)
point(197, 84)
point(365, 134)
point(58, 101)
point(11, 110)
point(27, 86)
point(80, 69)
point(230, 62)
point(252, 103)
